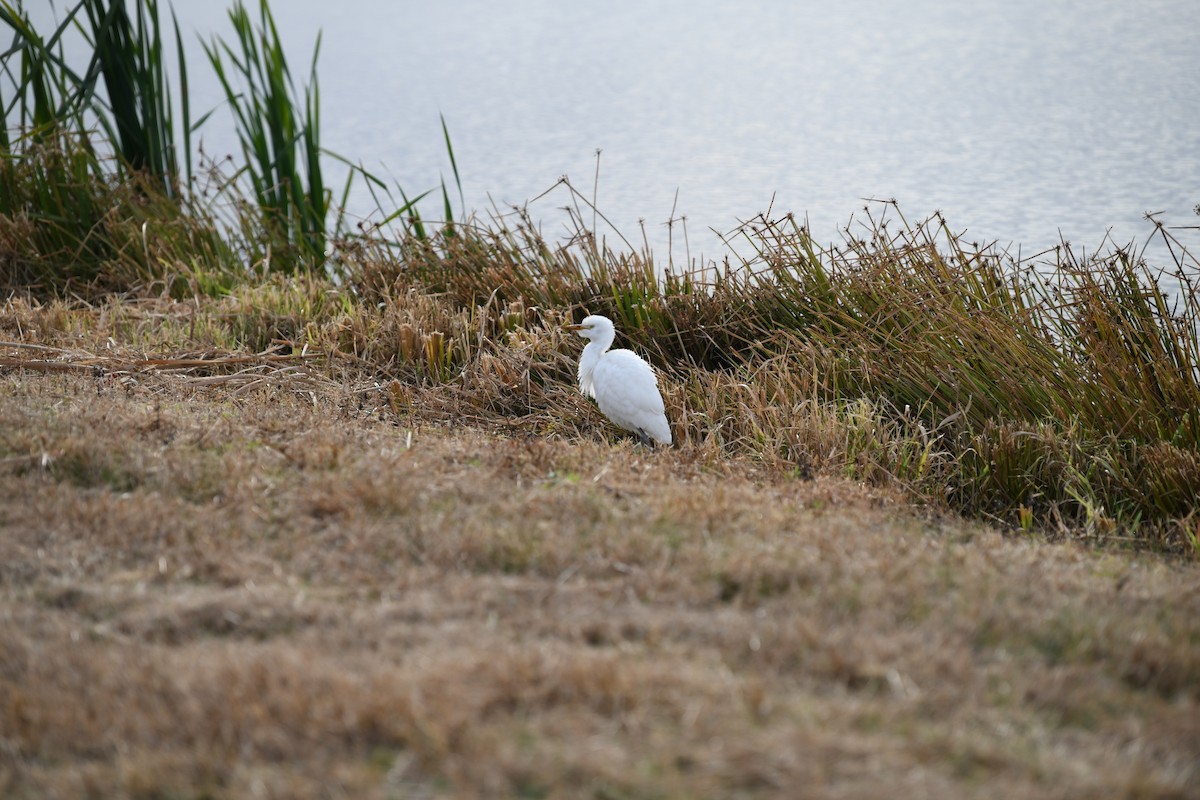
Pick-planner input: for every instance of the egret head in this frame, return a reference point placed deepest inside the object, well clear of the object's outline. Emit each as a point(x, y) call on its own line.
point(594, 327)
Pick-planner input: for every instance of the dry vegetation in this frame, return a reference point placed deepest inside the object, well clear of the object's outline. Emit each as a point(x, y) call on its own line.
point(248, 579)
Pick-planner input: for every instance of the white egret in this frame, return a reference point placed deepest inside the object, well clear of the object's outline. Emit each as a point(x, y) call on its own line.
point(623, 384)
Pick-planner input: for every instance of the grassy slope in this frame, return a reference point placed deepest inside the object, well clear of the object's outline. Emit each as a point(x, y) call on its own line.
point(212, 586)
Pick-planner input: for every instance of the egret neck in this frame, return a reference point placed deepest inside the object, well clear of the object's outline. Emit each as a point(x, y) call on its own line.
point(591, 357)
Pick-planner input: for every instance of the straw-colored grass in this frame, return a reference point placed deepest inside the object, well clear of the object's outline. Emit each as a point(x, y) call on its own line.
point(294, 586)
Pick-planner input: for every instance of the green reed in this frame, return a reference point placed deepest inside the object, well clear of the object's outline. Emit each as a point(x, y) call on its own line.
point(279, 131)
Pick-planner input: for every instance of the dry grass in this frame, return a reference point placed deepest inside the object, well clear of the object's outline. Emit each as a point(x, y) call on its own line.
point(216, 583)
point(1056, 391)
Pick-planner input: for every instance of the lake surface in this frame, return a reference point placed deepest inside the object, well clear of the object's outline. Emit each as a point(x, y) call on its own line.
point(1019, 119)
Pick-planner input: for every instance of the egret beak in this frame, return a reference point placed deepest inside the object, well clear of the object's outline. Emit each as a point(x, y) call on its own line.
point(573, 328)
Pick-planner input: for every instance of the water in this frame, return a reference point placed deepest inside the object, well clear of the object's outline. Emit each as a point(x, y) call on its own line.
point(1021, 120)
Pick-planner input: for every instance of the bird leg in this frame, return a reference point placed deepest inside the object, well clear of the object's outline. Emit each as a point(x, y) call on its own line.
point(644, 439)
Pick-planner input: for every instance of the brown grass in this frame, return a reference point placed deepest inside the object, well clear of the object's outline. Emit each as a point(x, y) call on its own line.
point(221, 583)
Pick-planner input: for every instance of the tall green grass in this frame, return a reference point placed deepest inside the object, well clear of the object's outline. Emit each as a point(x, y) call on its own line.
point(280, 136)
point(90, 178)
point(116, 115)
point(128, 54)
point(74, 132)
point(135, 113)
point(43, 91)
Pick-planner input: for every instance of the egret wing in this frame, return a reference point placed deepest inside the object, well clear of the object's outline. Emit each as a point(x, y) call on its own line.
point(627, 392)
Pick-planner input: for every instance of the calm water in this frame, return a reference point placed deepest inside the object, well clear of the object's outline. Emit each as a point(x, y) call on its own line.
point(1016, 118)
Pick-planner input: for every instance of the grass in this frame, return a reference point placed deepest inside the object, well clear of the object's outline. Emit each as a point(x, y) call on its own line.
point(280, 138)
point(1054, 395)
point(131, 61)
point(1062, 389)
point(134, 115)
point(220, 588)
point(65, 225)
point(91, 181)
point(117, 121)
